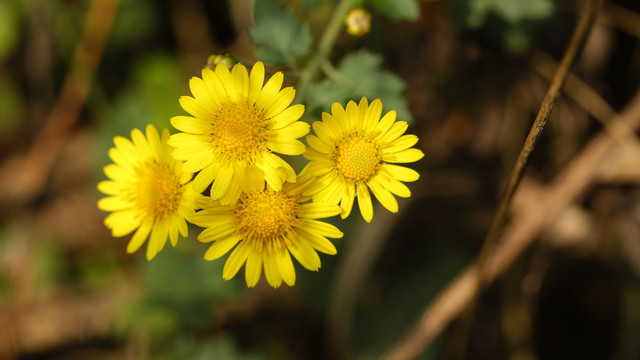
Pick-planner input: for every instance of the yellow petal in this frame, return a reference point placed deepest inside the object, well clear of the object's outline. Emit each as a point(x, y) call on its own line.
point(250, 178)
point(319, 210)
point(122, 223)
point(384, 196)
point(398, 128)
point(158, 238)
point(214, 86)
point(253, 269)
point(286, 267)
point(281, 101)
point(110, 187)
point(286, 117)
point(204, 178)
point(401, 173)
point(113, 203)
point(323, 132)
point(404, 156)
point(346, 205)
point(194, 107)
point(271, 270)
point(221, 247)
point(256, 80)
point(372, 116)
point(296, 130)
point(216, 233)
point(139, 237)
point(320, 243)
point(322, 228)
point(235, 261)
point(319, 145)
point(385, 123)
point(269, 91)
point(364, 201)
point(201, 93)
point(191, 125)
point(221, 183)
point(305, 254)
point(240, 79)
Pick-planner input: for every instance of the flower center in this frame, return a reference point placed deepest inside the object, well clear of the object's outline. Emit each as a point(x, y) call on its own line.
point(265, 218)
point(238, 131)
point(158, 190)
point(356, 157)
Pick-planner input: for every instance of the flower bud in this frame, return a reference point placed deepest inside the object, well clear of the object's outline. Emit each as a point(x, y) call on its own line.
point(358, 22)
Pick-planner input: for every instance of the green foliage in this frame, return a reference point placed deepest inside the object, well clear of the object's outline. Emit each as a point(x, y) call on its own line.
point(183, 284)
point(509, 22)
point(398, 9)
point(9, 29)
point(219, 348)
point(151, 98)
point(359, 74)
point(11, 106)
point(513, 12)
point(133, 14)
point(278, 34)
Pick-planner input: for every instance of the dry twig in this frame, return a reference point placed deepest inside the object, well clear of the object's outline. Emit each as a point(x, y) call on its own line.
point(467, 286)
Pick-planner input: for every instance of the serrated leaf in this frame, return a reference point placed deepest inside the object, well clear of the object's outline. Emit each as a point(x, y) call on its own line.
point(398, 9)
point(359, 74)
point(280, 38)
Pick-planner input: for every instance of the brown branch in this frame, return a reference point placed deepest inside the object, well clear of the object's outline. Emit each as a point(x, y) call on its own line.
point(517, 236)
point(426, 330)
point(66, 110)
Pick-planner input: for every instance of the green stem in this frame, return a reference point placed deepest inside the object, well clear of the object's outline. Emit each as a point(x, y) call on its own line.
point(329, 36)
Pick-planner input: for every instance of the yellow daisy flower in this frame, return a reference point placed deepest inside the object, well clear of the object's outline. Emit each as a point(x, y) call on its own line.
point(147, 191)
point(266, 227)
point(236, 124)
point(354, 151)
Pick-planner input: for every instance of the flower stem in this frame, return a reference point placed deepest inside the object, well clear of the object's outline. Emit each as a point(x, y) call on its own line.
point(325, 44)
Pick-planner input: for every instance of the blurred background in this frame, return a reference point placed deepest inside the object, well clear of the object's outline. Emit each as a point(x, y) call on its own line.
point(75, 73)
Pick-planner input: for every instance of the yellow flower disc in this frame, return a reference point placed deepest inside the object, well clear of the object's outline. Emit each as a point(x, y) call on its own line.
point(238, 131)
point(158, 189)
point(266, 218)
point(357, 158)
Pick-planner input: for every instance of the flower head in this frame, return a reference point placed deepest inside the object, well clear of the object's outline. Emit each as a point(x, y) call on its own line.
point(236, 124)
point(354, 151)
point(264, 228)
point(147, 191)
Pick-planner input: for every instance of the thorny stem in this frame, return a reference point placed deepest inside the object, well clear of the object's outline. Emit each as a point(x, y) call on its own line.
point(325, 44)
point(418, 339)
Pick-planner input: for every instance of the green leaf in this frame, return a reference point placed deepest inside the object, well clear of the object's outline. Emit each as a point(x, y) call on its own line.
point(280, 38)
point(398, 9)
point(512, 12)
point(359, 75)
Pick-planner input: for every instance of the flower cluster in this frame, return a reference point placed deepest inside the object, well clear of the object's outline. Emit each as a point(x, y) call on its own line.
point(223, 171)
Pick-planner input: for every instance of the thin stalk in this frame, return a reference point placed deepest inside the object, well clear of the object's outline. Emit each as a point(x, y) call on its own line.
point(325, 44)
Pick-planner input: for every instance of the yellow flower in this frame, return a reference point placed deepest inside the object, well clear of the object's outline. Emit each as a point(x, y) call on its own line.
point(354, 151)
point(236, 124)
point(266, 227)
point(147, 191)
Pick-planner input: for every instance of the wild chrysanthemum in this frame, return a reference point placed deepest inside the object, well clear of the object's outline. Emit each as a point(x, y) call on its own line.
point(236, 124)
point(147, 191)
point(354, 151)
point(265, 227)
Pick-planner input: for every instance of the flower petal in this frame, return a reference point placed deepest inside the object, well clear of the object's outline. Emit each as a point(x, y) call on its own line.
point(253, 270)
point(235, 261)
point(364, 201)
